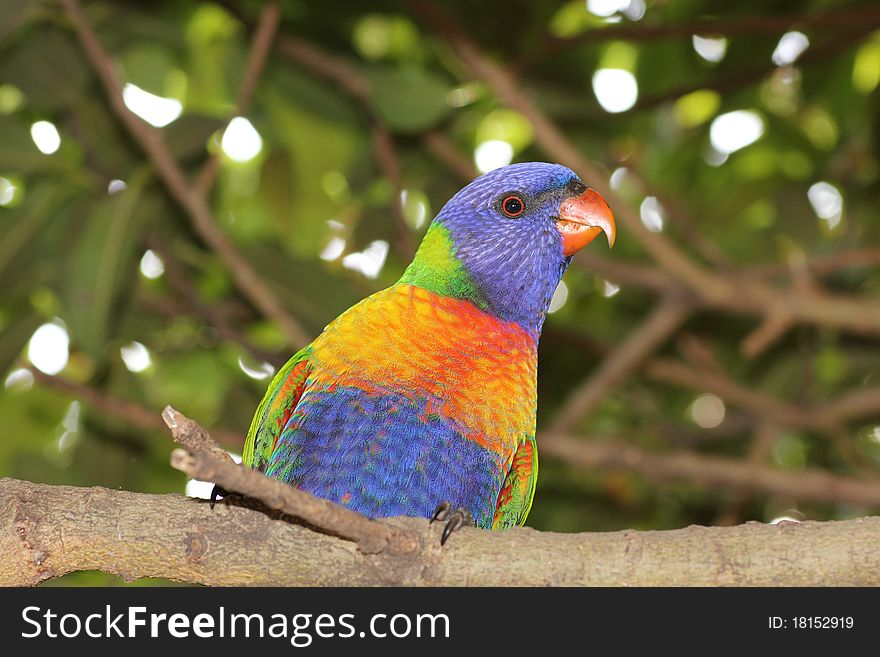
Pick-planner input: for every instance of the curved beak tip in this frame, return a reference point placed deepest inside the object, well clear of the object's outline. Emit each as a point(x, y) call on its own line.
point(582, 218)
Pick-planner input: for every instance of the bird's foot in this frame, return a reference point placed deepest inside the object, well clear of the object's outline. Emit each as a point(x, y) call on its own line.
point(218, 492)
point(455, 519)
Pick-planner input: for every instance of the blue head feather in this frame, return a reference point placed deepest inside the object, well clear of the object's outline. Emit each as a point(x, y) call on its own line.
point(515, 262)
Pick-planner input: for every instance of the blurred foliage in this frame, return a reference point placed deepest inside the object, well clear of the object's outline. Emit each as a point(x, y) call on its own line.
point(313, 205)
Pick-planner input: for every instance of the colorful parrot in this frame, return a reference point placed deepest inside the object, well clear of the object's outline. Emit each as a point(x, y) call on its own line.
point(421, 399)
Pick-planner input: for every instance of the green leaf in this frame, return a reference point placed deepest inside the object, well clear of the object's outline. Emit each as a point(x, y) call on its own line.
point(100, 266)
point(315, 144)
point(197, 380)
point(108, 147)
point(20, 226)
point(14, 338)
point(408, 99)
point(147, 66)
point(49, 68)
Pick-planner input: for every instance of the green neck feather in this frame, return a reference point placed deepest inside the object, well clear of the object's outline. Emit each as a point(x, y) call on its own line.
point(437, 269)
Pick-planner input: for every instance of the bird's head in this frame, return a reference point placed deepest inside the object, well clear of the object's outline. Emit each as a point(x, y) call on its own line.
point(504, 241)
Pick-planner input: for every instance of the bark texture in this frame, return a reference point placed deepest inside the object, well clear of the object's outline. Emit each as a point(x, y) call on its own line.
point(47, 531)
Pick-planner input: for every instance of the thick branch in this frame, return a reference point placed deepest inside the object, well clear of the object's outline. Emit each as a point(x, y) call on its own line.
point(47, 531)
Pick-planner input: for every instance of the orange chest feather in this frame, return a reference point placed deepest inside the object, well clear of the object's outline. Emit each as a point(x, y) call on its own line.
point(468, 367)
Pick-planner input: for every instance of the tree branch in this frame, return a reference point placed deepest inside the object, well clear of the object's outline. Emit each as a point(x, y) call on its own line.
point(728, 84)
point(727, 26)
point(853, 405)
point(203, 459)
point(860, 315)
point(262, 42)
point(655, 329)
point(190, 200)
point(48, 531)
point(808, 485)
point(135, 414)
point(389, 164)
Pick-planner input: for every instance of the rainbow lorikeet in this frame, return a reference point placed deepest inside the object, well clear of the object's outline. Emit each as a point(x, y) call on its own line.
point(421, 399)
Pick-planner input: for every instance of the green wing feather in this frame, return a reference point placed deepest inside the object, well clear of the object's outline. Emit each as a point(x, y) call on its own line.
point(518, 490)
point(277, 406)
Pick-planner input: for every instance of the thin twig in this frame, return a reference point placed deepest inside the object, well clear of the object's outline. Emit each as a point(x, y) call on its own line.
point(728, 26)
point(386, 157)
point(193, 203)
point(770, 330)
point(192, 436)
point(807, 485)
point(443, 148)
point(855, 314)
point(200, 459)
point(132, 413)
point(263, 38)
point(640, 344)
point(729, 83)
point(211, 314)
point(853, 405)
point(352, 82)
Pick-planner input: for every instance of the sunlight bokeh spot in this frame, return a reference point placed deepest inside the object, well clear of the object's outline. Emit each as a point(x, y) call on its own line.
point(46, 137)
point(492, 154)
point(707, 411)
point(605, 8)
point(48, 349)
point(152, 265)
point(735, 130)
point(790, 47)
point(335, 248)
point(241, 142)
point(615, 89)
point(7, 191)
point(155, 110)
point(827, 203)
point(135, 356)
point(712, 49)
point(414, 203)
point(617, 178)
point(260, 371)
point(368, 262)
point(19, 379)
point(652, 214)
point(560, 296)
point(609, 289)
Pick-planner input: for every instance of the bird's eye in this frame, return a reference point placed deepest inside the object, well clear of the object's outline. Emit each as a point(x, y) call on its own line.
point(513, 205)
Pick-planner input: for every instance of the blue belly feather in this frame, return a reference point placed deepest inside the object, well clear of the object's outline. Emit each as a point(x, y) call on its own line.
point(382, 455)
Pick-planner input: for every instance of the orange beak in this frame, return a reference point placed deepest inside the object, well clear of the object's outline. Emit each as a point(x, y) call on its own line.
point(582, 218)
